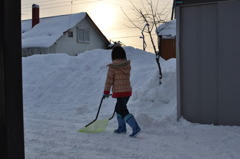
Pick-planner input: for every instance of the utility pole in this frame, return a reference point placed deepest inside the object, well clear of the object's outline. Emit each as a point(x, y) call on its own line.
point(173, 9)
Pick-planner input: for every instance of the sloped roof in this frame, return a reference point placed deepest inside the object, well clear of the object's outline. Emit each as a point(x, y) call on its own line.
point(48, 30)
point(167, 29)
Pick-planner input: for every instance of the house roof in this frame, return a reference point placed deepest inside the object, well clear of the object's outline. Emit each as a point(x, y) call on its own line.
point(50, 29)
point(167, 29)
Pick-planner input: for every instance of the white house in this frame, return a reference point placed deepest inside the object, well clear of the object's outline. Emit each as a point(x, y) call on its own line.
point(71, 34)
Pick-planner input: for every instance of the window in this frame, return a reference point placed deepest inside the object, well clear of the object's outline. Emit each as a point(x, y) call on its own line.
point(70, 34)
point(83, 35)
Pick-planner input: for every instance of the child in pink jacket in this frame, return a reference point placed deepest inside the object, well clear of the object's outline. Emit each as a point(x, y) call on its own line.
point(118, 80)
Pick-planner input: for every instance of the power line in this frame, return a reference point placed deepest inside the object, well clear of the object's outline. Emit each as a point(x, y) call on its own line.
point(74, 3)
point(55, 3)
point(124, 37)
point(69, 3)
point(117, 29)
point(58, 1)
point(66, 3)
point(29, 4)
point(128, 36)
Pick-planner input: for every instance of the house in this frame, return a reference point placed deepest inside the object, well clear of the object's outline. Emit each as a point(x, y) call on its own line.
point(167, 39)
point(71, 34)
point(208, 61)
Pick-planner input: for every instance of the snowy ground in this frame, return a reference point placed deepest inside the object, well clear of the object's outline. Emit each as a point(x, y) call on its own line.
point(62, 94)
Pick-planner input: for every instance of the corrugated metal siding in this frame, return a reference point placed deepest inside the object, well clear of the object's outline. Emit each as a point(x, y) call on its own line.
point(208, 61)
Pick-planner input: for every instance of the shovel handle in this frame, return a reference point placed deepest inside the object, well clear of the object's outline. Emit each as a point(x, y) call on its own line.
point(97, 112)
point(112, 115)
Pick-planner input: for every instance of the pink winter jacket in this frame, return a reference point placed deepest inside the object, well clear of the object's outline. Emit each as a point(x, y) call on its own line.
point(118, 78)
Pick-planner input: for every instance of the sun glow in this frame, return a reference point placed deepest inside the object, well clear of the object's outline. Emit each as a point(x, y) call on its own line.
point(103, 15)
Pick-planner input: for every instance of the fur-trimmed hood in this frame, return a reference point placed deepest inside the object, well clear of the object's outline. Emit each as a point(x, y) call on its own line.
point(118, 64)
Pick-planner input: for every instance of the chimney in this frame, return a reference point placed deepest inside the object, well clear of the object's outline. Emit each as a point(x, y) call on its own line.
point(35, 14)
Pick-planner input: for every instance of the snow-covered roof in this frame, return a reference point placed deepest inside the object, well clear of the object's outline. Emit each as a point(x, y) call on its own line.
point(167, 29)
point(48, 30)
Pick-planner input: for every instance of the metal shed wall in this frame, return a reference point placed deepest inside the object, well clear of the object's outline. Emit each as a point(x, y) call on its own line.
point(208, 60)
point(186, 2)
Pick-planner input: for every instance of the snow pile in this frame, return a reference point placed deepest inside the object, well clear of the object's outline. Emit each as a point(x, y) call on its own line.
point(62, 94)
point(48, 30)
point(167, 29)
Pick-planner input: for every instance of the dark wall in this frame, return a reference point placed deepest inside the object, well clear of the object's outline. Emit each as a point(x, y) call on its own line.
point(208, 62)
point(11, 103)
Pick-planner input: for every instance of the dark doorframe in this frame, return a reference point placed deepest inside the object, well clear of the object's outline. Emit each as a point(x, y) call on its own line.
point(11, 101)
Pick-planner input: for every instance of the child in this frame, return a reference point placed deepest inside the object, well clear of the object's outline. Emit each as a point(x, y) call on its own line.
point(118, 78)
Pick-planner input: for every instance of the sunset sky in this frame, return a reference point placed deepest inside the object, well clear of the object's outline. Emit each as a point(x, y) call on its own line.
point(108, 15)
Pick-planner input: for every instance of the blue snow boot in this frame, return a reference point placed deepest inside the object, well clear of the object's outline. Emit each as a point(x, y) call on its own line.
point(133, 124)
point(121, 125)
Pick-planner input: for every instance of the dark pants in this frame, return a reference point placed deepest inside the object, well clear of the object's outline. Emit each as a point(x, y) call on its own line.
point(121, 106)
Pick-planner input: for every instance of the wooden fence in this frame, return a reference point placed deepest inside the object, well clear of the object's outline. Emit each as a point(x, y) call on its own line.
point(167, 48)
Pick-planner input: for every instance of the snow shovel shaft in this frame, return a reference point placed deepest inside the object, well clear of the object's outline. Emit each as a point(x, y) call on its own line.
point(100, 105)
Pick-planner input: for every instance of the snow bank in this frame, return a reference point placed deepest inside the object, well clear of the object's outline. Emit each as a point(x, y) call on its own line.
point(62, 94)
point(167, 29)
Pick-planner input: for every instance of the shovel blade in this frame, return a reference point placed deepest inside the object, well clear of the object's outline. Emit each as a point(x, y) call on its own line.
point(95, 127)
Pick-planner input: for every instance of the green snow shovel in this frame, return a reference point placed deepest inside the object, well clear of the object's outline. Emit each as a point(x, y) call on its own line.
point(96, 125)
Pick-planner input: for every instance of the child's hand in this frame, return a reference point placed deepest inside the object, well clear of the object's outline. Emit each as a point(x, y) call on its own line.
point(105, 96)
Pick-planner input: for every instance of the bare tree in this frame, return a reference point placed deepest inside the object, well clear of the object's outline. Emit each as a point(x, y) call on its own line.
point(150, 17)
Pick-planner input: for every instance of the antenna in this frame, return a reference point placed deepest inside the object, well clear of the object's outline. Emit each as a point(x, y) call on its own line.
point(70, 13)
